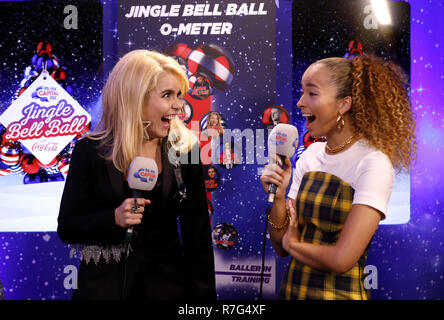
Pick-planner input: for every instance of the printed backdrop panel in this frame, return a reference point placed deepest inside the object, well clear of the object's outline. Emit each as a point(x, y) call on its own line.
point(353, 29)
point(65, 37)
point(42, 114)
point(322, 29)
point(227, 49)
point(407, 257)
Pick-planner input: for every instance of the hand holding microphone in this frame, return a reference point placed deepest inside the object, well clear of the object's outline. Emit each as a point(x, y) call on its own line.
point(127, 214)
point(142, 176)
point(276, 177)
point(282, 144)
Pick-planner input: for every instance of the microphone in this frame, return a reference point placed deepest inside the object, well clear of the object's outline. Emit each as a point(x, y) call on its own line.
point(282, 141)
point(142, 176)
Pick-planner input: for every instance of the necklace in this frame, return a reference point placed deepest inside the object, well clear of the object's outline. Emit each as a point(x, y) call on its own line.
point(341, 146)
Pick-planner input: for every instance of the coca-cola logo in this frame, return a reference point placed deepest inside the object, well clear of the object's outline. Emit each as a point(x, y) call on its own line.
point(44, 146)
point(44, 122)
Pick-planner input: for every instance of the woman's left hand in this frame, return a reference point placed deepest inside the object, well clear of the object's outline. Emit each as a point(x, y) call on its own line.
point(291, 235)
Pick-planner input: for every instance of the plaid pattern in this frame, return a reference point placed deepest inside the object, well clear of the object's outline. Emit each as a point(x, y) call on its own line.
point(323, 203)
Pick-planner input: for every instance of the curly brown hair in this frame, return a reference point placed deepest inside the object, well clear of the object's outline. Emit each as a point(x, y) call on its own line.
point(381, 110)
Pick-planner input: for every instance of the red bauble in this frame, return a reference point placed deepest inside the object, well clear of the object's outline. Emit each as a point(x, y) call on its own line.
point(58, 74)
point(44, 48)
point(29, 164)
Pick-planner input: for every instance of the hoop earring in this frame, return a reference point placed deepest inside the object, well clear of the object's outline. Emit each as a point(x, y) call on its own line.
point(340, 122)
point(146, 124)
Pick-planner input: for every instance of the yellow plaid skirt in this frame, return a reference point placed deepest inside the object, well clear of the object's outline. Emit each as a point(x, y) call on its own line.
point(323, 204)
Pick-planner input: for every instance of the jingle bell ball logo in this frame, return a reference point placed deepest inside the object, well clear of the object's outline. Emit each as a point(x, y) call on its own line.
point(44, 119)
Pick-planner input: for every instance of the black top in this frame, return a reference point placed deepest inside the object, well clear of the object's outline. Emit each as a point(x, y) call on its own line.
point(173, 266)
point(141, 231)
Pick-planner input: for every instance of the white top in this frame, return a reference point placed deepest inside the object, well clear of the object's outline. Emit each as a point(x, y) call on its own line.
point(368, 170)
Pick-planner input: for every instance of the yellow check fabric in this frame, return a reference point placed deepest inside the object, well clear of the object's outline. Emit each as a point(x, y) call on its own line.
point(323, 204)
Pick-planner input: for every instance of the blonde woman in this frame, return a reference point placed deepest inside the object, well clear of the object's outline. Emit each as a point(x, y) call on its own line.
point(141, 101)
point(340, 188)
point(214, 125)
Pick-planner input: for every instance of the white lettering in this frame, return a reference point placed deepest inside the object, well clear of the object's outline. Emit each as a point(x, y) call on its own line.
point(371, 281)
point(245, 9)
point(188, 10)
point(70, 281)
point(71, 19)
point(153, 11)
point(198, 28)
point(165, 29)
point(370, 21)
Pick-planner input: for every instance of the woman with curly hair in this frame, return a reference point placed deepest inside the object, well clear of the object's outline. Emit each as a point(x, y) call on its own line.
point(341, 187)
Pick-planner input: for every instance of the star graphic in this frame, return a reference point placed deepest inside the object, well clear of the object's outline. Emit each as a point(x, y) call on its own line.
point(129, 43)
point(420, 89)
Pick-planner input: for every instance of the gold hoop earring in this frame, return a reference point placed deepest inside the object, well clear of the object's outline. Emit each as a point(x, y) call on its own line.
point(340, 122)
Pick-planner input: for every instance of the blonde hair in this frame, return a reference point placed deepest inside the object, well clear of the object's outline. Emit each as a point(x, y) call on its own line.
point(126, 91)
point(381, 112)
point(218, 116)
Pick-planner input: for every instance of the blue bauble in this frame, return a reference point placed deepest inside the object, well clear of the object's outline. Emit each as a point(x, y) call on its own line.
point(34, 59)
point(55, 177)
point(69, 90)
point(32, 178)
point(49, 64)
point(39, 65)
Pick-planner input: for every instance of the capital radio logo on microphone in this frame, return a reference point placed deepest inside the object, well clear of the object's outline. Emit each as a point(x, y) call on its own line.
point(145, 175)
point(279, 138)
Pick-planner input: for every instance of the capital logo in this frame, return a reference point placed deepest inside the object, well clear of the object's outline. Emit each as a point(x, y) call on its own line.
point(145, 174)
point(278, 138)
point(45, 94)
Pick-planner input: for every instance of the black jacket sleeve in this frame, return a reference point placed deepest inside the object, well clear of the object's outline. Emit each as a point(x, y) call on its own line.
point(196, 236)
point(85, 215)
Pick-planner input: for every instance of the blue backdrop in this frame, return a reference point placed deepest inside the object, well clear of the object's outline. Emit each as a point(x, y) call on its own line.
point(33, 265)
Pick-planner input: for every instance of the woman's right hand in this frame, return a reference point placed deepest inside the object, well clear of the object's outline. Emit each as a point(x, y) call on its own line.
point(273, 173)
point(125, 216)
